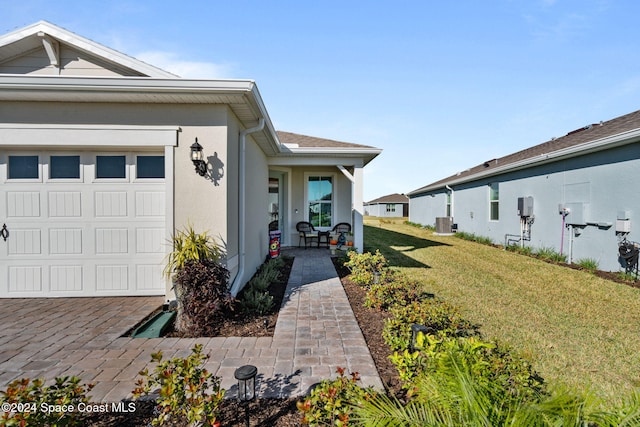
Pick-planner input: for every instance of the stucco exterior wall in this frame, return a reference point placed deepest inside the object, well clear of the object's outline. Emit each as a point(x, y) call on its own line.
point(596, 186)
point(380, 210)
point(257, 230)
point(426, 208)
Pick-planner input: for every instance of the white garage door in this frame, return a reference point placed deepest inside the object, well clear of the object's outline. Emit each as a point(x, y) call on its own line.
point(82, 223)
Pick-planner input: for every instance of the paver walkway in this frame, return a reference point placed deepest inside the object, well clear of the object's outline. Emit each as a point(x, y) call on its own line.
point(316, 332)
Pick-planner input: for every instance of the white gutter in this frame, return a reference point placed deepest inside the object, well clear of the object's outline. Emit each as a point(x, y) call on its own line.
point(242, 206)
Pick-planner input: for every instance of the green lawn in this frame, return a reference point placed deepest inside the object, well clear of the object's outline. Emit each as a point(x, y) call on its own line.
point(575, 328)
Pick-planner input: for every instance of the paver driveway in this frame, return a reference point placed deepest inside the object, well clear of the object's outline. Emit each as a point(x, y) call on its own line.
point(315, 333)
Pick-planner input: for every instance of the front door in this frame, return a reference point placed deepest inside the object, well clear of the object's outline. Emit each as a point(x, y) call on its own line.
point(276, 210)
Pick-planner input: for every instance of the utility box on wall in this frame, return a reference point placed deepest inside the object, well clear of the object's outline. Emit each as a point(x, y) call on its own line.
point(576, 213)
point(525, 206)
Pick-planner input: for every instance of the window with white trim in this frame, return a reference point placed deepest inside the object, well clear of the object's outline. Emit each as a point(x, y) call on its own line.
point(391, 207)
point(320, 200)
point(494, 201)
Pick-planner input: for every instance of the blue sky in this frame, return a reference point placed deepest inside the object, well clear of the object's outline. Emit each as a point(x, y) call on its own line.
point(439, 86)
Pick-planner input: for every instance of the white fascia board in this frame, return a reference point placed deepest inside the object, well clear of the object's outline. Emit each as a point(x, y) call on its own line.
point(324, 156)
point(95, 136)
point(274, 141)
point(122, 84)
point(314, 161)
point(605, 143)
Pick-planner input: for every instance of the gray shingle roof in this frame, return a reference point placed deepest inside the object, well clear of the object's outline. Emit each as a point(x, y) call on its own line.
point(391, 198)
point(313, 142)
point(583, 135)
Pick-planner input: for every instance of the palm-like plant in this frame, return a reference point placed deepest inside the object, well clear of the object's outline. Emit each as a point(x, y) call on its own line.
point(189, 246)
point(453, 396)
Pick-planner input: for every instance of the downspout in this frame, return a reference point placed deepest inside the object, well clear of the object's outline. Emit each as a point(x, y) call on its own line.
point(452, 201)
point(242, 206)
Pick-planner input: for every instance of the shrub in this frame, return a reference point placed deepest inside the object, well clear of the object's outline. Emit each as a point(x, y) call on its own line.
point(364, 265)
point(493, 366)
point(397, 289)
point(434, 313)
point(549, 254)
point(185, 389)
point(418, 225)
point(189, 247)
point(257, 302)
point(626, 276)
point(203, 296)
point(331, 403)
point(474, 238)
point(255, 298)
point(589, 264)
point(39, 405)
point(522, 250)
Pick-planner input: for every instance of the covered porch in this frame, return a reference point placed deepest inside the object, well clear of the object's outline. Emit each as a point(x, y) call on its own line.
point(318, 181)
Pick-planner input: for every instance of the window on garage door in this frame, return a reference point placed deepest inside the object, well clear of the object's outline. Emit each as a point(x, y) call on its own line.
point(149, 167)
point(23, 167)
point(111, 167)
point(61, 167)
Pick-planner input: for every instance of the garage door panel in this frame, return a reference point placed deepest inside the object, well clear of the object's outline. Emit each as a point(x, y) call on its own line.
point(23, 204)
point(149, 277)
point(112, 277)
point(150, 204)
point(112, 241)
point(25, 279)
point(65, 241)
point(66, 278)
point(111, 204)
point(150, 240)
point(65, 204)
point(24, 241)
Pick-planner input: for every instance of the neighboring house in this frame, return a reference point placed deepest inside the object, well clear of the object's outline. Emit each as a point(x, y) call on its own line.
point(392, 205)
point(576, 194)
point(96, 171)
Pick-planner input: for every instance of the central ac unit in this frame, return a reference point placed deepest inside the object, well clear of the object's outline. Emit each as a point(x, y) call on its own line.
point(443, 224)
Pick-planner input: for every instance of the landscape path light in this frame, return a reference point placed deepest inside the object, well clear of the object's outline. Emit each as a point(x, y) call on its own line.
point(246, 376)
point(415, 330)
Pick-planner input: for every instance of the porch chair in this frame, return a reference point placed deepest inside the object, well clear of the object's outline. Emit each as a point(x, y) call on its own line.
point(306, 232)
point(342, 227)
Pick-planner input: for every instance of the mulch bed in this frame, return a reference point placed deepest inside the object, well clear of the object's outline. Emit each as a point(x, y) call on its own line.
point(278, 412)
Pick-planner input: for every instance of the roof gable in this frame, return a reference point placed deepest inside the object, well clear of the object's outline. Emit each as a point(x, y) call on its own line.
point(46, 49)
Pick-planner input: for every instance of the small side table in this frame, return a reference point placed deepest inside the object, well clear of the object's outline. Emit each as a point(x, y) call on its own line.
point(323, 237)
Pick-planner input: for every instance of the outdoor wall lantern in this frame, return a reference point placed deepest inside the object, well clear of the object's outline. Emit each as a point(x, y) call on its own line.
point(246, 376)
point(197, 157)
point(415, 330)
